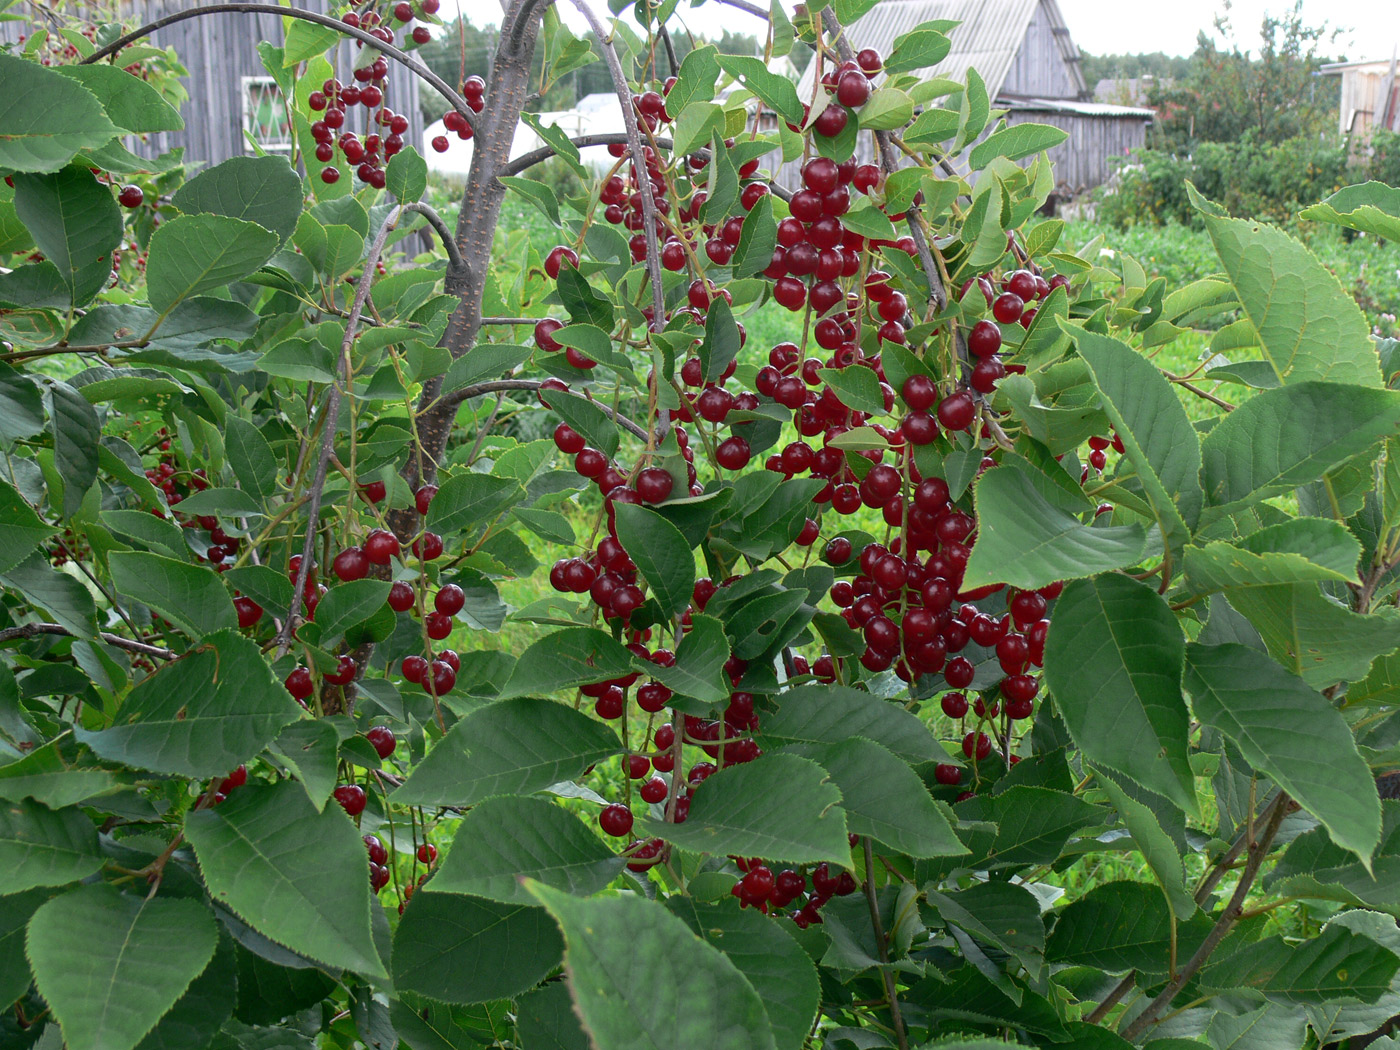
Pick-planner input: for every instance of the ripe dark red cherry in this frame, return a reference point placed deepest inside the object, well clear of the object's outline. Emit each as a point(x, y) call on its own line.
point(544, 335)
point(869, 60)
point(450, 599)
point(400, 597)
point(428, 546)
point(959, 672)
point(653, 791)
point(414, 667)
point(919, 392)
point(556, 259)
point(1007, 307)
point(377, 853)
point(567, 440)
point(299, 683)
point(954, 705)
point(344, 673)
point(350, 564)
point(381, 546)
point(832, 121)
point(979, 742)
point(654, 485)
point(616, 820)
point(382, 739)
point(853, 89)
point(130, 197)
point(957, 411)
point(351, 798)
point(424, 497)
point(249, 611)
point(427, 853)
point(985, 339)
point(947, 774)
point(733, 453)
point(1022, 283)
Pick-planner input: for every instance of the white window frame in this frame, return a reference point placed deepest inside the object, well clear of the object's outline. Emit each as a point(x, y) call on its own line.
point(246, 84)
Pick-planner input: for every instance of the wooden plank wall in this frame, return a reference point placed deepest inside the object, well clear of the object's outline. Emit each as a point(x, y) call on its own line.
point(218, 50)
point(1039, 69)
point(1085, 159)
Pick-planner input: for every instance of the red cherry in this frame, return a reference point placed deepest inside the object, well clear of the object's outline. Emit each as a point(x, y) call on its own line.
point(377, 853)
point(130, 197)
point(1007, 307)
point(351, 798)
point(414, 667)
point(427, 853)
point(654, 485)
point(959, 672)
point(249, 611)
point(381, 546)
point(985, 339)
point(947, 774)
point(299, 683)
point(853, 89)
point(556, 259)
point(616, 820)
point(450, 599)
point(424, 497)
point(350, 564)
point(400, 597)
point(733, 453)
point(957, 411)
point(382, 738)
point(428, 546)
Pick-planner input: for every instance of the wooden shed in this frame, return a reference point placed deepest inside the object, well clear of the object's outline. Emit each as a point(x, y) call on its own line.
point(1024, 54)
point(1370, 96)
point(234, 108)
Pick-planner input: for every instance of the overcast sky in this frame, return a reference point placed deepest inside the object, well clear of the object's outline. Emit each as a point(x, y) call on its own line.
point(1371, 27)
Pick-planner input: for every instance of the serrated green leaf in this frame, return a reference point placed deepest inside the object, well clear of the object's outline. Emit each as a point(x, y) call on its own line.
point(1015, 142)
point(819, 714)
point(75, 222)
point(661, 554)
point(1337, 964)
point(44, 847)
point(189, 596)
point(130, 102)
point(190, 254)
point(50, 117)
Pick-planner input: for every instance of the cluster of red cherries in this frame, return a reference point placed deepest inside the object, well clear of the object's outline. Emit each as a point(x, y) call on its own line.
point(368, 152)
point(474, 91)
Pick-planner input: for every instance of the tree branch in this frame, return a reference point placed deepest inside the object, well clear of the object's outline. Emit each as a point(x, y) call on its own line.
point(634, 144)
point(329, 416)
point(496, 386)
point(33, 630)
point(454, 255)
point(389, 50)
point(745, 6)
point(1258, 850)
point(891, 996)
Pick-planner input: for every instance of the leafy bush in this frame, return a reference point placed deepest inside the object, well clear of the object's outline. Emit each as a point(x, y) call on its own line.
point(865, 655)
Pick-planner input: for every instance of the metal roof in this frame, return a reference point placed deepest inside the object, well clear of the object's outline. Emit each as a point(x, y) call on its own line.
point(1067, 105)
point(988, 39)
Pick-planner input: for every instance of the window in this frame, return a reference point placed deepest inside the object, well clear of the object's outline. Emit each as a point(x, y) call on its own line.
point(265, 116)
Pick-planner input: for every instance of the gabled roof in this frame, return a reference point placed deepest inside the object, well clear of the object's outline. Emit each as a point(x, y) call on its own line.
point(989, 36)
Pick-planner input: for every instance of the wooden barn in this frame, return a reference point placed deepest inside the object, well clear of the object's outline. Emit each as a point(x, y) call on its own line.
point(1024, 54)
point(234, 108)
point(1370, 96)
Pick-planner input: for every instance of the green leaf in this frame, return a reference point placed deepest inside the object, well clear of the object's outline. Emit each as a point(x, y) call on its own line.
point(661, 555)
point(212, 709)
point(762, 950)
point(220, 501)
point(640, 979)
point(44, 847)
point(695, 81)
point(110, 965)
point(974, 110)
point(516, 747)
point(1155, 844)
point(190, 254)
point(1315, 637)
point(698, 672)
point(885, 799)
point(1280, 439)
point(75, 222)
point(1300, 550)
point(407, 175)
point(1157, 436)
point(16, 909)
point(857, 386)
point(265, 190)
point(545, 1018)
point(208, 1002)
point(776, 91)
point(191, 597)
point(720, 346)
point(1290, 732)
point(1308, 324)
point(49, 117)
point(483, 361)
point(887, 108)
point(537, 193)
point(130, 102)
point(869, 221)
point(998, 913)
point(460, 949)
point(933, 125)
point(1028, 542)
point(471, 501)
point(1120, 926)
point(76, 439)
point(51, 775)
point(21, 530)
point(586, 305)
point(250, 458)
point(1337, 964)
point(921, 48)
point(697, 124)
point(1113, 661)
point(757, 239)
point(1015, 142)
point(347, 604)
point(502, 839)
point(309, 748)
point(21, 406)
point(817, 714)
point(781, 807)
point(567, 658)
point(586, 417)
point(1033, 824)
point(1371, 207)
point(305, 41)
point(66, 600)
point(295, 875)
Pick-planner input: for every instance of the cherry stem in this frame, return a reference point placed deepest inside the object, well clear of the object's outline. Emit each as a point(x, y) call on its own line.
point(402, 57)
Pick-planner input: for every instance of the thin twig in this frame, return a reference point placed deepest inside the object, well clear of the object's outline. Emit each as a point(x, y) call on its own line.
point(496, 386)
point(890, 995)
point(389, 50)
point(1111, 1000)
point(1199, 392)
point(329, 415)
point(744, 5)
point(1231, 915)
point(33, 630)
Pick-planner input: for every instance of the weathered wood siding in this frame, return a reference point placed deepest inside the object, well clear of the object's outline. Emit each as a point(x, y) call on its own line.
point(1084, 160)
point(1363, 99)
point(1039, 68)
point(219, 50)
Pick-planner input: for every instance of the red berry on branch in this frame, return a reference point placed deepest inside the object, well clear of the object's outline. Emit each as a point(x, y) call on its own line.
point(382, 739)
point(351, 798)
